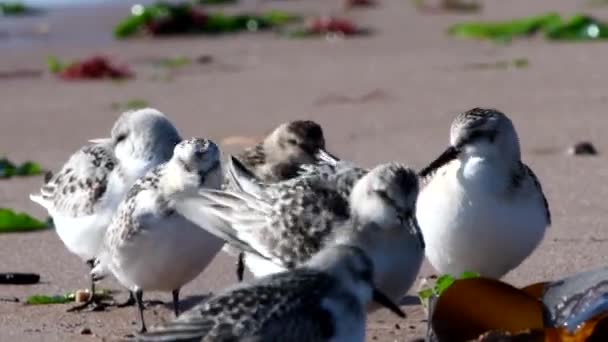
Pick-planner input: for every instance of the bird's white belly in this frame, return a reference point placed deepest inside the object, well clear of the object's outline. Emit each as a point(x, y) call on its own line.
point(472, 230)
point(164, 259)
point(83, 235)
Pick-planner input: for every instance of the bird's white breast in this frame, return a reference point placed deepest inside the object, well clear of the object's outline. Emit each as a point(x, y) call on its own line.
point(472, 222)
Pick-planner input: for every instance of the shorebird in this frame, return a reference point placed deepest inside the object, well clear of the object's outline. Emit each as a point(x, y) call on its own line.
point(279, 156)
point(481, 208)
point(282, 225)
point(322, 300)
point(148, 245)
point(82, 197)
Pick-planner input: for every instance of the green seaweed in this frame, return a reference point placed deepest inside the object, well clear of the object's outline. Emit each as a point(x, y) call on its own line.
point(184, 18)
point(45, 300)
point(503, 31)
point(175, 62)
point(130, 105)
point(11, 221)
point(136, 104)
point(10, 169)
point(441, 284)
point(517, 63)
point(15, 8)
point(64, 298)
point(54, 65)
point(580, 27)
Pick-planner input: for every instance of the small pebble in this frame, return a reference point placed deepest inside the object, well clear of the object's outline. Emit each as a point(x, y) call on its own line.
point(397, 326)
point(85, 331)
point(204, 59)
point(583, 148)
point(81, 296)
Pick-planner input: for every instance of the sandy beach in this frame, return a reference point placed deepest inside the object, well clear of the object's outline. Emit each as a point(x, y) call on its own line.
point(389, 96)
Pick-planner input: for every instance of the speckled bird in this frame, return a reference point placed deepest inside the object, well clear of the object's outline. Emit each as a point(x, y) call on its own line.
point(151, 247)
point(280, 226)
point(83, 196)
point(323, 300)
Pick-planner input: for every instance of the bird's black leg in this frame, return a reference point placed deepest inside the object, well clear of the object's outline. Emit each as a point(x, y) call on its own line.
point(94, 302)
point(175, 294)
point(140, 307)
point(129, 302)
point(240, 266)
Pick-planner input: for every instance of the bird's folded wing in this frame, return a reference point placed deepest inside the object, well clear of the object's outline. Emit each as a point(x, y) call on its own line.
point(80, 185)
point(282, 307)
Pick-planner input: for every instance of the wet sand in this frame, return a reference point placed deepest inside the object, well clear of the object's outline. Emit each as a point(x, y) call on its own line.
point(390, 96)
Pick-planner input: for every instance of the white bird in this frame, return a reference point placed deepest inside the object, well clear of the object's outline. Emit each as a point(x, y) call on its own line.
point(282, 225)
point(151, 247)
point(481, 209)
point(323, 300)
point(83, 196)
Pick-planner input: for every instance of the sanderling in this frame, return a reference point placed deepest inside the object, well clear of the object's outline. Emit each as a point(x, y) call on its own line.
point(284, 224)
point(279, 156)
point(148, 245)
point(323, 300)
point(83, 196)
point(480, 208)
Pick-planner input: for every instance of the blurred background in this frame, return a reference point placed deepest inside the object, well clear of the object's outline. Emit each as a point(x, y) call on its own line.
point(384, 78)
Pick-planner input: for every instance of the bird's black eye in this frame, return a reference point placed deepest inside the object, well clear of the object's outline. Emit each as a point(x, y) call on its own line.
point(384, 195)
point(199, 154)
point(121, 137)
point(292, 141)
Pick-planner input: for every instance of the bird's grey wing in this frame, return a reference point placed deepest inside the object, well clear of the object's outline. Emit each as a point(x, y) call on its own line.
point(305, 213)
point(518, 179)
point(309, 323)
point(345, 179)
point(78, 188)
point(340, 176)
point(252, 313)
point(231, 216)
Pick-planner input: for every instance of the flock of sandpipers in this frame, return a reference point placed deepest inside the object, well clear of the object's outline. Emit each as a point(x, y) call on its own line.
point(327, 240)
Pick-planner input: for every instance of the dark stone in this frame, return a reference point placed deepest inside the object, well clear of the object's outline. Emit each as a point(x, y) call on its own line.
point(583, 148)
